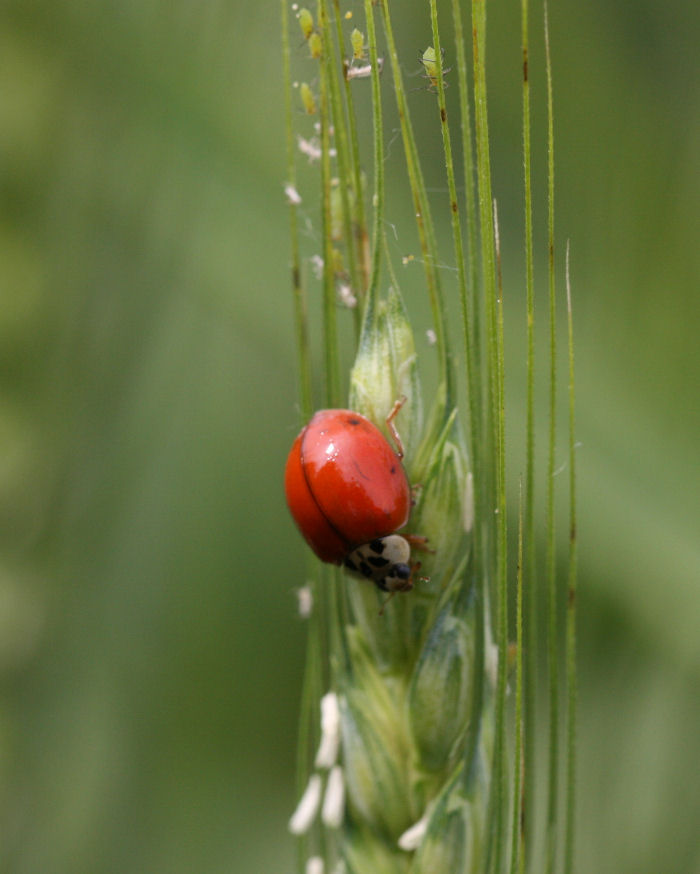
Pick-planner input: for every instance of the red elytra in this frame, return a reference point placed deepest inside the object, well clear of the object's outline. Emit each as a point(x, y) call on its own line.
point(345, 485)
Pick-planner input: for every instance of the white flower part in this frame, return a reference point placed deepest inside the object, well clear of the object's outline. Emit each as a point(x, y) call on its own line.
point(310, 148)
point(432, 336)
point(340, 867)
point(330, 731)
point(411, 839)
point(317, 266)
point(305, 601)
point(334, 799)
point(345, 295)
point(468, 508)
point(307, 808)
point(314, 865)
point(293, 195)
point(364, 71)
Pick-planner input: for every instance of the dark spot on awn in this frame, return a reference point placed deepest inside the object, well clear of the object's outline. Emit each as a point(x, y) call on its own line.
point(572, 597)
point(454, 206)
point(525, 65)
point(443, 114)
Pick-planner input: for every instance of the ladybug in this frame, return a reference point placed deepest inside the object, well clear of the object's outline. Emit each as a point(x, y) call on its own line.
point(348, 493)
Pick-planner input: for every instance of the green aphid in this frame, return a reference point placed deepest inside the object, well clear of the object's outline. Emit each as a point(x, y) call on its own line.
point(307, 98)
point(315, 45)
point(306, 22)
point(429, 61)
point(357, 41)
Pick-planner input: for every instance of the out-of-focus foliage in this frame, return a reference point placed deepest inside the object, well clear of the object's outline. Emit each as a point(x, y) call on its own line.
point(150, 654)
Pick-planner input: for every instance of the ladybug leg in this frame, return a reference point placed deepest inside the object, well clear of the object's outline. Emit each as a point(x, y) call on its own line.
point(392, 427)
point(416, 489)
point(418, 542)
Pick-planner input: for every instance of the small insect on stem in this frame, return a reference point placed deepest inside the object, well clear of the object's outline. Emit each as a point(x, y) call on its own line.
point(357, 41)
point(315, 45)
point(307, 98)
point(429, 61)
point(306, 22)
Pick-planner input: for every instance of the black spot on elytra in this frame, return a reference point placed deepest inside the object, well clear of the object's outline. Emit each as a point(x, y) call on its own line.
point(353, 421)
point(392, 469)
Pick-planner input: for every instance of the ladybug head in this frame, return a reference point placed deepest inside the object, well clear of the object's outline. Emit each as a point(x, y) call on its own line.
point(385, 561)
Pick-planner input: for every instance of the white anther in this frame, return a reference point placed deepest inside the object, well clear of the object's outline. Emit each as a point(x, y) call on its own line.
point(364, 71)
point(334, 799)
point(307, 808)
point(310, 148)
point(293, 195)
point(345, 295)
point(317, 266)
point(314, 865)
point(411, 839)
point(330, 731)
point(305, 601)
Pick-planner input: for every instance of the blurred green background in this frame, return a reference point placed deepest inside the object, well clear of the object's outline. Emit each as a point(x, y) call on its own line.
point(150, 652)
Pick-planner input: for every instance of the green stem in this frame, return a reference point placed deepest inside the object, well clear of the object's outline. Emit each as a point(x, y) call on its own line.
point(472, 330)
point(359, 218)
point(492, 565)
point(456, 227)
point(341, 143)
point(378, 232)
point(529, 572)
point(426, 231)
point(517, 856)
point(299, 297)
point(500, 776)
point(571, 603)
point(330, 325)
point(471, 320)
point(552, 802)
point(488, 259)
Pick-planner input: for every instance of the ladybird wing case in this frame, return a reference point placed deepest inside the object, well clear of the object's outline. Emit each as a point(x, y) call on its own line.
point(355, 476)
point(319, 534)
